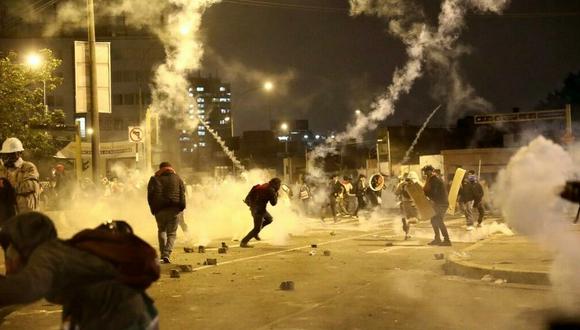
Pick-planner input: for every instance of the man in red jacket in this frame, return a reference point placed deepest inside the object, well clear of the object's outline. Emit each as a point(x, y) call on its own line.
point(257, 199)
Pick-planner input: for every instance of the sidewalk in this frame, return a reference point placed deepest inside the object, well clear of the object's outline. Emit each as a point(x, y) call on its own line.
point(512, 258)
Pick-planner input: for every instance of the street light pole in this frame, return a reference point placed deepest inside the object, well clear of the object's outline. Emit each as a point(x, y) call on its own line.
point(94, 104)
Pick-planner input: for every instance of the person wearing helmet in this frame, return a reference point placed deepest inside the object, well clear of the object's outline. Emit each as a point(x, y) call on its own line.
point(22, 175)
point(435, 190)
point(407, 205)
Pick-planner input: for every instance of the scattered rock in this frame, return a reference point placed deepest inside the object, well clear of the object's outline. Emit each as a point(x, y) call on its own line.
point(326, 253)
point(311, 253)
point(188, 249)
point(439, 256)
point(174, 273)
point(186, 268)
point(222, 250)
point(287, 286)
point(332, 233)
point(389, 244)
point(201, 249)
point(314, 246)
point(224, 245)
point(487, 278)
point(210, 262)
point(500, 281)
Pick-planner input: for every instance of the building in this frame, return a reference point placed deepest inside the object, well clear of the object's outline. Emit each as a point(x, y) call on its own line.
point(211, 103)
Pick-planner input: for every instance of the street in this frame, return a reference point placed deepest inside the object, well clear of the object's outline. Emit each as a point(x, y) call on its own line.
point(371, 280)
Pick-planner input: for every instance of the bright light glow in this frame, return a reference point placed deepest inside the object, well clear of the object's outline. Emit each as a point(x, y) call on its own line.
point(284, 126)
point(184, 30)
point(332, 136)
point(317, 136)
point(268, 86)
point(89, 131)
point(305, 136)
point(227, 118)
point(33, 60)
point(357, 111)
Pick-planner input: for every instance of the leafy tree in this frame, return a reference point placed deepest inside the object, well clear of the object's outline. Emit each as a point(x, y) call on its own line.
point(568, 94)
point(21, 101)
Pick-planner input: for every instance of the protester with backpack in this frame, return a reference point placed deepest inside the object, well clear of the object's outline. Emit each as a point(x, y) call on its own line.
point(257, 199)
point(99, 276)
point(166, 197)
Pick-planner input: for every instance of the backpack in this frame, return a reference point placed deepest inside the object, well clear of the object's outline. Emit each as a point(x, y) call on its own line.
point(135, 260)
point(252, 196)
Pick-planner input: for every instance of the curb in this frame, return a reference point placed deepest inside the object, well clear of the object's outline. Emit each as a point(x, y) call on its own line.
point(456, 265)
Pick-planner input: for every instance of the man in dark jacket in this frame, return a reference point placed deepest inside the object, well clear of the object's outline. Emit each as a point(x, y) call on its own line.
point(38, 265)
point(435, 190)
point(7, 201)
point(257, 199)
point(477, 189)
point(166, 197)
point(466, 198)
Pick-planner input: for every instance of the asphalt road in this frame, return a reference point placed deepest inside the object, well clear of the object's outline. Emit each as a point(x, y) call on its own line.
point(363, 284)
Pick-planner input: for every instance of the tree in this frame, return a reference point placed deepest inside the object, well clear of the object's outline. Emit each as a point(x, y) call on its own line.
point(568, 94)
point(21, 101)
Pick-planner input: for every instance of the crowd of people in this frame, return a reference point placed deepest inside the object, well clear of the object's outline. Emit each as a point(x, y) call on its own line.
point(95, 261)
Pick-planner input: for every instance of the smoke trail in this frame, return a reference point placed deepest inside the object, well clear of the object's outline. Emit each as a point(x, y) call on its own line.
point(408, 153)
point(421, 42)
point(527, 192)
point(224, 147)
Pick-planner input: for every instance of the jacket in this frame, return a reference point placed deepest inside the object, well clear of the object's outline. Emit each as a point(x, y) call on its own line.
point(165, 190)
point(435, 190)
point(259, 196)
point(24, 179)
point(82, 283)
point(466, 192)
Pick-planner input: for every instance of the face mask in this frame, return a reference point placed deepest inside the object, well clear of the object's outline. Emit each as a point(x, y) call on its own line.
point(10, 160)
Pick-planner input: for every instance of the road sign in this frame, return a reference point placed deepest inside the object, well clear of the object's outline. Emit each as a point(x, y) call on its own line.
point(136, 134)
point(519, 116)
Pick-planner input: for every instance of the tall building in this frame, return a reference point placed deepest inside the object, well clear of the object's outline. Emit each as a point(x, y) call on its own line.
point(211, 102)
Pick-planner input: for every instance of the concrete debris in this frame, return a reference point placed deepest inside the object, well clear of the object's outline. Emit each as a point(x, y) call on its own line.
point(326, 253)
point(439, 256)
point(287, 286)
point(201, 249)
point(174, 273)
point(314, 246)
point(210, 262)
point(224, 245)
point(222, 250)
point(487, 278)
point(186, 268)
point(188, 249)
point(389, 244)
point(500, 281)
point(332, 233)
point(311, 253)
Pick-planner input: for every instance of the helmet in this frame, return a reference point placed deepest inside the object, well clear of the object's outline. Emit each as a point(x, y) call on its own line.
point(11, 145)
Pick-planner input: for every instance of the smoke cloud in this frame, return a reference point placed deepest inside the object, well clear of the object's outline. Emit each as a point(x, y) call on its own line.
point(527, 191)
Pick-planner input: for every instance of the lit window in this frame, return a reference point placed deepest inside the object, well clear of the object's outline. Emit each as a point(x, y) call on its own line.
point(200, 133)
point(317, 136)
point(184, 149)
point(200, 100)
point(202, 116)
point(190, 89)
point(183, 131)
point(224, 110)
point(222, 89)
point(201, 106)
point(191, 105)
point(202, 144)
point(222, 122)
point(191, 116)
point(201, 111)
point(190, 111)
point(201, 128)
point(200, 89)
point(306, 136)
point(191, 94)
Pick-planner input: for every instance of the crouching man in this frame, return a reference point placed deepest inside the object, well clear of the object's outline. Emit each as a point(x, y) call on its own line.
point(257, 199)
point(94, 292)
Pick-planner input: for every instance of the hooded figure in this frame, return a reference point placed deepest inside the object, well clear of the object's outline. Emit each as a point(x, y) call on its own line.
point(38, 265)
point(257, 199)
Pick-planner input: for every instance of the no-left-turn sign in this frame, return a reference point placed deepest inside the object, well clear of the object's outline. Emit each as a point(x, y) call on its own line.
point(136, 134)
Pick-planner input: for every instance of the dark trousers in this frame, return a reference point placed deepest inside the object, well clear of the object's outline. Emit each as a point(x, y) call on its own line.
point(438, 224)
point(480, 211)
point(261, 219)
point(333, 205)
point(361, 204)
point(167, 223)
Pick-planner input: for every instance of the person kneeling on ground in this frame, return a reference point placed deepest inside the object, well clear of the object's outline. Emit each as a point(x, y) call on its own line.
point(95, 293)
point(257, 199)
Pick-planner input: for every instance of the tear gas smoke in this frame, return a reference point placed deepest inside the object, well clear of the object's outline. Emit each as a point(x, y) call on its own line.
point(408, 152)
point(527, 191)
point(224, 147)
point(423, 43)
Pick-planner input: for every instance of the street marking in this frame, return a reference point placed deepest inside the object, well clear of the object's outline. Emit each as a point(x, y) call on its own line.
point(287, 250)
point(400, 247)
point(35, 312)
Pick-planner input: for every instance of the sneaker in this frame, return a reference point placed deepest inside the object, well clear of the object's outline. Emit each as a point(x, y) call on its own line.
point(479, 225)
point(435, 242)
point(164, 260)
point(445, 243)
point(245, 245)
point(469, 228)
point(257, 238)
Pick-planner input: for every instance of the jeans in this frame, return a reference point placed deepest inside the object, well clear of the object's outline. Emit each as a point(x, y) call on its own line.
point(467, 208)
point(261, 219)
point(438, 224)
point(480, 211)
point(167, 223)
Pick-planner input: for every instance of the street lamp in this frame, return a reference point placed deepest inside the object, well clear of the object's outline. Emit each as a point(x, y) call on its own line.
point(34, 61)
point(268, 86)
point(357, 112)
point(284, 127)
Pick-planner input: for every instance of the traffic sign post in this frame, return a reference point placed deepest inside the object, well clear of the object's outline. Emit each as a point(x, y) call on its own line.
point(137, 136)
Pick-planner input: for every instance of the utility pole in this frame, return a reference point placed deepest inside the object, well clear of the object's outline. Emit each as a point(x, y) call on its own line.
point(94, 108)
point(389, 151)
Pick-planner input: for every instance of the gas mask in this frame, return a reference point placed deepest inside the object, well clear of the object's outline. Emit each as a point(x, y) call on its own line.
point(9, 160)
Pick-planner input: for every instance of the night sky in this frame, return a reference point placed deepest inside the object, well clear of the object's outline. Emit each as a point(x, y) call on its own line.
point(327, 64)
